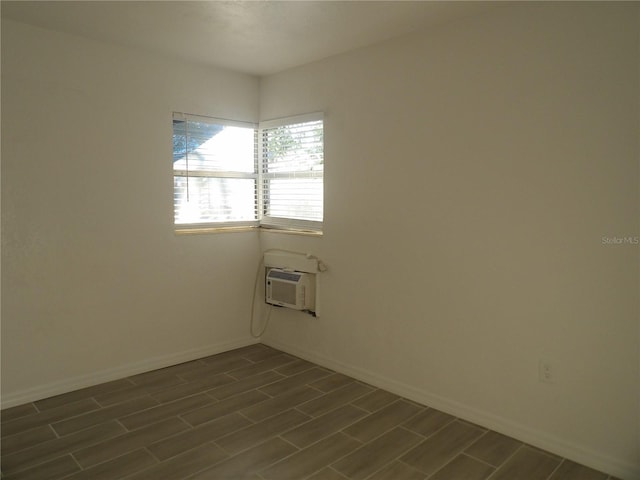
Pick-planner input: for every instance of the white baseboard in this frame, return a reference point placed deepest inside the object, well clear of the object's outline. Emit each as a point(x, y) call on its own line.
point(56, 388)
point(526, 434)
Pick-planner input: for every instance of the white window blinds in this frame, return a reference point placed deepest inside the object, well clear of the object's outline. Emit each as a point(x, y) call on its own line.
point(228, 173)
point(214, 171)
point(292, 172)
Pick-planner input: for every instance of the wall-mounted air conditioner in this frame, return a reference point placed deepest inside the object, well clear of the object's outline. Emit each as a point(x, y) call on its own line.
point(292, 289)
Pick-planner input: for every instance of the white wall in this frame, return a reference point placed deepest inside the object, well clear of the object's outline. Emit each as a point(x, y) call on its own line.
point(95, 282)
point(471, 173)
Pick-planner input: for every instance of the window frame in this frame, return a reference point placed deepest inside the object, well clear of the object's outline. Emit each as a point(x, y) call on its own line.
point(210, 226)
point(286, 223)
point(263, 221)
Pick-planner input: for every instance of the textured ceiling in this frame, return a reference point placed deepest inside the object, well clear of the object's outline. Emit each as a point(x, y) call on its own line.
point(255, 37)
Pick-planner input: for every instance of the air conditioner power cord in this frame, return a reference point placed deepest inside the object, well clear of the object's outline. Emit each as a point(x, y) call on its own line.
point(253, 303)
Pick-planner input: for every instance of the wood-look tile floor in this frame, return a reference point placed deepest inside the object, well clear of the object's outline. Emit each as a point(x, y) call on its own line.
point(257, 413)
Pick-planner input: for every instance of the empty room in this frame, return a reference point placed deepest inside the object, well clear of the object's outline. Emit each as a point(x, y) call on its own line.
point(324, 240)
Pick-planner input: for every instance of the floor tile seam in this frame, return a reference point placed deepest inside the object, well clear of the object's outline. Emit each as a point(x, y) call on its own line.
point(168, 437)
point(267, 394)
point(485, 462)
point(340, 404)
point(244, 392)
point(395, 459)
point(94, 465)
point(149, 384)
point(144, 390)
point(319, 470)
point(426, 437)
point(132, 413)
point(544, 452)
point(230, 372)
point(329, 467)
point(272, 370)
point(229, 452)
point(322, 394)
point(317, 440)
point(460, 451)
point(390, 462)
point(336, 460)
point(130, 433)
point(205, 391)
point(311, 365)
point(431, 475)
point(485, 430)
point(301, 449)
point(102, 405)
point(478, 439)
point(369, 412)
point(199, 377)
point(93, 396)
point(562, 460)
point(280, 395)
point(386, 406)
point(283, 432)
point(426, 475)
point(306, 384)
point(234, 377)
point(312, 418)
point(244, 357)
point(198, 425)
point(186, 381)
point(270, 437)
point(113, 420)
point(160, 460)
point(33, 404)
point(331, 389)
point(373, 473)
point(506, 460)
point(278, 412)
point(494, 467)
point(253, 424)
point(466, 454)
point(262, 469)
point(239, 412)
point(32, 445)
point(76, 449)
point(64, 419)
point(176, 415)
point(340, 430)
point(117, 417)
point(166, 460)
point(211, 393)
point(80, 469)
point(392, 427)
point(40, 463)
point(422, 409)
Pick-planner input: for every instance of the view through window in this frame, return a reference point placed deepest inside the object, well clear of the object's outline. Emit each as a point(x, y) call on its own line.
point(229, 173)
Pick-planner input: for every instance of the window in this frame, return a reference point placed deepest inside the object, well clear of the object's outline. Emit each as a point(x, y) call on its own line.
point(224, 177)
point(291, 172)
point(214, 172)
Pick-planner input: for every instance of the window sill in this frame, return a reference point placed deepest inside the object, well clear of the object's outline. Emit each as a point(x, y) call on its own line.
point(206, 230)
point(211, 230)
point(304, 233)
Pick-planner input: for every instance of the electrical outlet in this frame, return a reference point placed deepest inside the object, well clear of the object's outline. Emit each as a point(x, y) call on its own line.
point(546, 372)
